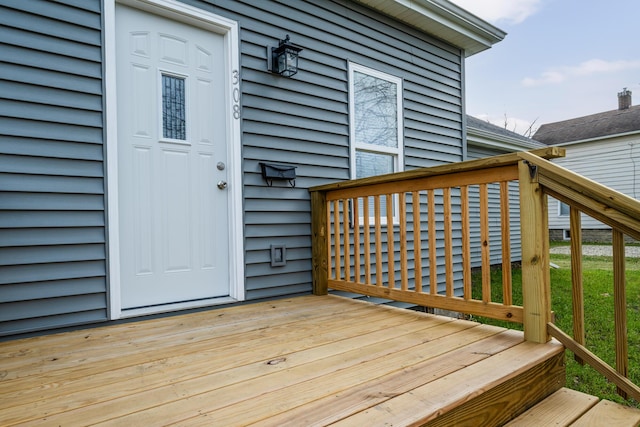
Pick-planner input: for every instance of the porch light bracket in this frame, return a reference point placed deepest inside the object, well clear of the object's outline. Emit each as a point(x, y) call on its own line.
point(283, 59)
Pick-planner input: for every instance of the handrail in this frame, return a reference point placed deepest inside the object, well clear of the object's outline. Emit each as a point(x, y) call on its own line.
point(622, 214)
point(392, 236)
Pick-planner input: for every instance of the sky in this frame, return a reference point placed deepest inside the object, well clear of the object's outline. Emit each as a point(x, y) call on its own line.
point(561, 59)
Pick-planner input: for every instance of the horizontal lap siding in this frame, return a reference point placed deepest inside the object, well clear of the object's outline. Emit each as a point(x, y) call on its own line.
point(52, 226)
point(303, 120)
point(614, 163)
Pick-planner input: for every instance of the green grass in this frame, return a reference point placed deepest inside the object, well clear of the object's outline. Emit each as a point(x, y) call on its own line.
point(598, 300)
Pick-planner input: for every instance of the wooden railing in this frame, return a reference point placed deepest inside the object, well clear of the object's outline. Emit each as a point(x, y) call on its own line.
point(413, 237)
point(622, 214)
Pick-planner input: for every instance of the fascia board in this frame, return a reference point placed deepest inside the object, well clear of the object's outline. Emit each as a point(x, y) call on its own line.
point(444, 20)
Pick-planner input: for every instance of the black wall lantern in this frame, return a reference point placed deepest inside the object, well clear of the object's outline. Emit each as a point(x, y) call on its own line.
point(284, 58)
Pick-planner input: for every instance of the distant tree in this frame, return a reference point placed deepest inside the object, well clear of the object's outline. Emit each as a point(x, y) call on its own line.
point(529, 132)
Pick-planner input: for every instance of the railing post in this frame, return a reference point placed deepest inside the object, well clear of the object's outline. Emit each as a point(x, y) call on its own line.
point(319, 244)
point(575, 228)
point(536, 288)
point(620, 307)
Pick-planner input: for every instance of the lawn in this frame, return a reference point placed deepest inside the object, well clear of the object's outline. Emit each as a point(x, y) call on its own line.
point(598, 300)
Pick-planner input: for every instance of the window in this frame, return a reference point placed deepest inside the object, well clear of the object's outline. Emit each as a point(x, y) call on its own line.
point(375, 123)
point(375, 111)
point(174, 120)
point(563, 209)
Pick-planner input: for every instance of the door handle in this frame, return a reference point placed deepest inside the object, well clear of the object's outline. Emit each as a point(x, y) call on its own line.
point(222, 185)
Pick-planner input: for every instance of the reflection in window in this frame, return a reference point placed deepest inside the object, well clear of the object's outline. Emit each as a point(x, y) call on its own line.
point(174, 125)
point(375, 122)
point(375, 110)
point(370, 164)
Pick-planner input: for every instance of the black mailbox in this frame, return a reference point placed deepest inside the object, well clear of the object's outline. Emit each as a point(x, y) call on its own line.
point(274, 172)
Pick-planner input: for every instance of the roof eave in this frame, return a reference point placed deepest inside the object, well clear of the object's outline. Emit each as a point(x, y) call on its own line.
point(597, 138)
point(444, 20)
point(482, 138)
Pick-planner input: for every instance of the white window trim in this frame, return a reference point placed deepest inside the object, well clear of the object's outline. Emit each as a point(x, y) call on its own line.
point(214, 23)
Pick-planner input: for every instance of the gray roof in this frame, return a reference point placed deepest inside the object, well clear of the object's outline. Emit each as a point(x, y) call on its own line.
point(599, 125)
point(474, 122)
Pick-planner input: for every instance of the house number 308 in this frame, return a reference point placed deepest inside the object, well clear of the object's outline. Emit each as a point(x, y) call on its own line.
point(236, 94)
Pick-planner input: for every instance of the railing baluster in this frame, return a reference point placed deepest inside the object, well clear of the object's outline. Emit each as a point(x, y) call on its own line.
point(433, 264)
point(367, 239)
point(404, 269)
point(485, 250)
point(347, 239)
point(575, 229)
point(330, 250)
point(338, 241)
point(466, 242)
point(356, 239)
point(417, 241)
point(378, 242)
point(391, 249)
point(448, 241)
point(620, 307)
point(505, 225)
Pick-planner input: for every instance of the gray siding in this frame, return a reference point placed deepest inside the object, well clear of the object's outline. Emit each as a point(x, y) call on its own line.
point(612, 162)
point(304, 120)
point(52, 227)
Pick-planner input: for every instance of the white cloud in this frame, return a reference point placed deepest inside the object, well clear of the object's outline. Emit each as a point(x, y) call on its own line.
point(557, 75)
point(496, 11)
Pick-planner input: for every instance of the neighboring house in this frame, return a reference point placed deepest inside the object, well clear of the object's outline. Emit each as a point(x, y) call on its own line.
point(604, 147)
point(132, 132)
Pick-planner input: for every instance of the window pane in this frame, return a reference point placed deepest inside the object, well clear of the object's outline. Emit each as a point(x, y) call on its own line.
point(370, 164)
point(173, 108)
point(564, 209)
point(376, 114)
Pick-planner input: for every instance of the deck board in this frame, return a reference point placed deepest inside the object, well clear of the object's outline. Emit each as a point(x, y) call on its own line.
point(560, 409)
point(609, 414)
point(283, 362)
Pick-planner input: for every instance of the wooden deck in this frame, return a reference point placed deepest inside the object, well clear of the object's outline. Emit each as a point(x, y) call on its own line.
point(313, 360)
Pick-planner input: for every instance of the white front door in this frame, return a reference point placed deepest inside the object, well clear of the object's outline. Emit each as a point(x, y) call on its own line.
point(172, 154)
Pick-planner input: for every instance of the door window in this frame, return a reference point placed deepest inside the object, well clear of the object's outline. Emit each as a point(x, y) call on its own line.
point(174, 115)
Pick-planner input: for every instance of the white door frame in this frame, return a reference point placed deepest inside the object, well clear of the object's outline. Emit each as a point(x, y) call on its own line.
point(229, 29)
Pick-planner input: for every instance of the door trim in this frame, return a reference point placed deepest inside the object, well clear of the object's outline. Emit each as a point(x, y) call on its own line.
point(229, 29)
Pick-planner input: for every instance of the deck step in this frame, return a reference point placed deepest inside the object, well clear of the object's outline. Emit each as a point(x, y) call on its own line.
point(572, 408)
point(512, 390)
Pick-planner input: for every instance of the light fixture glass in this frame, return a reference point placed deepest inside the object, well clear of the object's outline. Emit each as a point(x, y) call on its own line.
point(284, 58)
